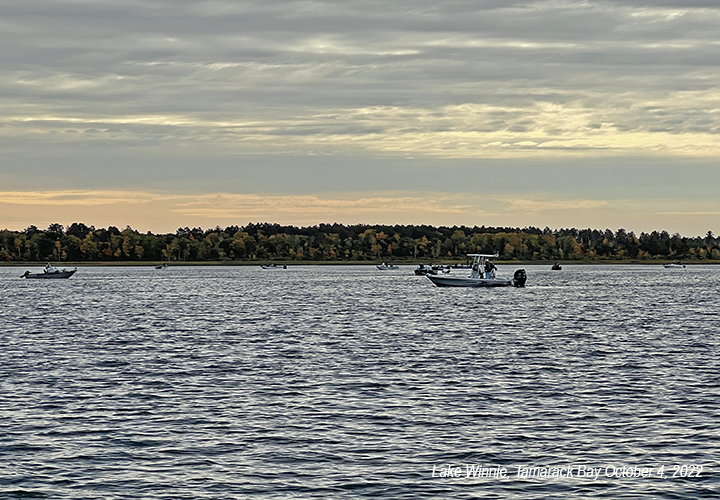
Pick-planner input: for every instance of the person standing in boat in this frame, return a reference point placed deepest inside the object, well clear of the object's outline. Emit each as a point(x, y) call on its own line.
point(489, 270)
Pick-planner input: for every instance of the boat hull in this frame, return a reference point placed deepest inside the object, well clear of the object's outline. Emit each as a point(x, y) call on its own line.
point(50, 276)
point(457, 281)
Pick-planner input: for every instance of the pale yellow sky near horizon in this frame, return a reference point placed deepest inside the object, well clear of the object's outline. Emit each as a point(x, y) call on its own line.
point(164, 212)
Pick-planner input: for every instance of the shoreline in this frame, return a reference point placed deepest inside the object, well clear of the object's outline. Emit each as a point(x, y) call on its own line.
point(345, 263)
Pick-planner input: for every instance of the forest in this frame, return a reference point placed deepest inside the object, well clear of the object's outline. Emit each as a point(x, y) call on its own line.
point(350, 243)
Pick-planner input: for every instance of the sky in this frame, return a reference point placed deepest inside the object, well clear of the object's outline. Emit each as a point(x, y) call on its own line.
point(161, 114)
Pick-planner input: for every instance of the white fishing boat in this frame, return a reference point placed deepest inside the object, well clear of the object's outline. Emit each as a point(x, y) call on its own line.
point(50, 272)
point(274, 266)
point(674, 265)
point(387, 267)
point(482, 275)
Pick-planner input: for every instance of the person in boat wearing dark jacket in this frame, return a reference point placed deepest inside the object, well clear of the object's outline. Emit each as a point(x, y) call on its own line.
point(489, 270)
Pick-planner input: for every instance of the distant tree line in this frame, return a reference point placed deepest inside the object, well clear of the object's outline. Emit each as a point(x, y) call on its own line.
point(338, 242)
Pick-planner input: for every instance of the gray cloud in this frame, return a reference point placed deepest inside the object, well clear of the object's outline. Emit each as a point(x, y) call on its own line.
point(205, 82)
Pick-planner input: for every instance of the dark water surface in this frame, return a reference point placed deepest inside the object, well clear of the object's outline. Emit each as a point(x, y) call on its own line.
point(349, 382)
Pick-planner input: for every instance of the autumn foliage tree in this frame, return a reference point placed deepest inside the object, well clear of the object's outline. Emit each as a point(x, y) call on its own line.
point(336, 242)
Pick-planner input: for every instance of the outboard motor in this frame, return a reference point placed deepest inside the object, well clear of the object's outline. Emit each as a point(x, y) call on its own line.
point(519, 278)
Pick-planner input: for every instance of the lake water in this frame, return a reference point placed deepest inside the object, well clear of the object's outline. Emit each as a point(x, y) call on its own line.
point(348, 382)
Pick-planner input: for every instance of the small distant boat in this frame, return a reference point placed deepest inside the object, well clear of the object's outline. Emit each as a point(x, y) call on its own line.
point(161, 266)
point(387, 267)
point(274, 266)
point(674, 265)
point(482, 275)
point(50, 272)
point(557, 267)
point(424, 269)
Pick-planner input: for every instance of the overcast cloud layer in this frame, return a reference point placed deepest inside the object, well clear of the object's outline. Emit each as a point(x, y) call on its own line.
point(471, 109)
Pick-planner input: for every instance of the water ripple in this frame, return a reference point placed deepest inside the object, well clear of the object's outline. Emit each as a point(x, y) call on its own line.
point(347, 382)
